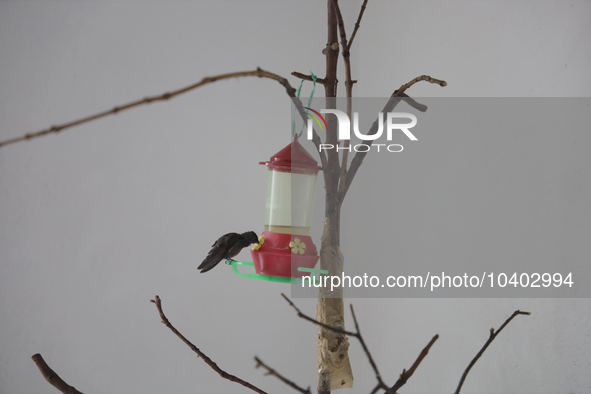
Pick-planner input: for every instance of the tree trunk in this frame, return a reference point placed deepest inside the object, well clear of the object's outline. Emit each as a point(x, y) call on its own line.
point(334, 368)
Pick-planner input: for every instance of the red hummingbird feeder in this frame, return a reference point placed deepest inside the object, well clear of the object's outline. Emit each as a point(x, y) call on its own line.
point(285, 245)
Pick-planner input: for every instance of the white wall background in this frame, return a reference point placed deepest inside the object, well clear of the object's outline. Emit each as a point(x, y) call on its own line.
point(97, 220)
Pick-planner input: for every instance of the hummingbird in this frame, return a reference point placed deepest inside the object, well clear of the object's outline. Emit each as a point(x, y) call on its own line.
point(226, 247)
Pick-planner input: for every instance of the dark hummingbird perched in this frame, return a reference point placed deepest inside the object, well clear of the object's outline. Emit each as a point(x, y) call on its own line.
point(226, 247)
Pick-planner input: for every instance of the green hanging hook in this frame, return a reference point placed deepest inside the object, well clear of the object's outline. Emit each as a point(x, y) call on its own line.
point(314, 77)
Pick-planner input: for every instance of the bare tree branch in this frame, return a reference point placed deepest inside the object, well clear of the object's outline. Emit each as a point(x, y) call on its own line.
point(492, 336)
point(330, 328)
point(412, 102)
point(272, 372)
point(359, 156)
point(357, 335)
point(331, 170)
point(396, 97)
point(207, 360)
point(357, 24)
point(405, 375)
point(52, 377)
point(366, 350)
point(348, 87)
point(345, 45)
point(291, 92)
point(308, 78)
point(421, 78)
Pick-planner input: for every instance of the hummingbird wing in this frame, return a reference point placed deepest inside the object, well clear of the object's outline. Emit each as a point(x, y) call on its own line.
point(218, 252)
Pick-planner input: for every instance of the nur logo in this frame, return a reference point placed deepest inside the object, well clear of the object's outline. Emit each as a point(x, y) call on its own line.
point(344, 130)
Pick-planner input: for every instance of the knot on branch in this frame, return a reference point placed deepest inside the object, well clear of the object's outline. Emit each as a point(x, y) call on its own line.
point(334, 46)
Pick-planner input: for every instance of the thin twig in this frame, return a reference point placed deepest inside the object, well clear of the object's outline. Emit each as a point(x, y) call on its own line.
point(166, 96)
point(205, 358)
point(357, 335)
point(308, 78)
point(421, 78)
point(357, 24)
point(323, 325)
point(492, 336)
point(366, 350)
point(405, 375)
point(272, 372)
point(395, 98)
point(52, 377)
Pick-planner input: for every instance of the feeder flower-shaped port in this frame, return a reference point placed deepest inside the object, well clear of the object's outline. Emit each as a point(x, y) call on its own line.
point(297, 246)
point(258, 245)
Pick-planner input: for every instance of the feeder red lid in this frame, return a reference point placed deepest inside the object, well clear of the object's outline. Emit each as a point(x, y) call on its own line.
point(293, 156)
